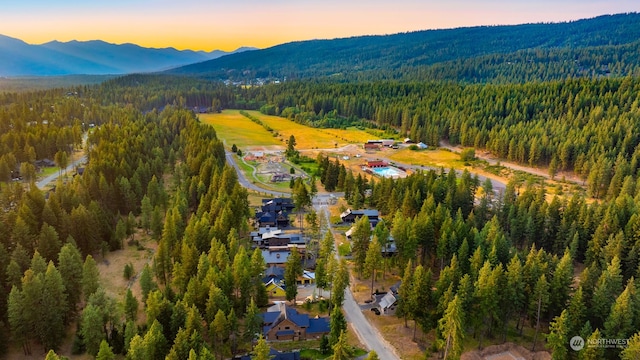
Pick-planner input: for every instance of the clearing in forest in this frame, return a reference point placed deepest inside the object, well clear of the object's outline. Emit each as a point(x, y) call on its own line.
point(446, 159)
point(234, 128)
point(312, 138)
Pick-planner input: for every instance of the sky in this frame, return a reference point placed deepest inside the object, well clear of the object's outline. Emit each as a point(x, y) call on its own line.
point(229, 24)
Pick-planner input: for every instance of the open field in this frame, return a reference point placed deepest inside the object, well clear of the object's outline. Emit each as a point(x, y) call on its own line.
point(446, 159)
point(234, 128)
point(312, 138)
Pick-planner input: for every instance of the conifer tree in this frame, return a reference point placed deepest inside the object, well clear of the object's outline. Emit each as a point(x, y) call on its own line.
point(261, 351)
point(558, 336)
point(452, 329)
point(293, 269)
point(90, 278)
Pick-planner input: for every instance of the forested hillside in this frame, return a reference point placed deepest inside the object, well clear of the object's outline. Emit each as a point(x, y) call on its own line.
point(605, 45)
point(48, 243)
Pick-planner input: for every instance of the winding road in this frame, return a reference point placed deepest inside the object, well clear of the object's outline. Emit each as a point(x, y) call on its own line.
point(53, 177)
point(366, 333)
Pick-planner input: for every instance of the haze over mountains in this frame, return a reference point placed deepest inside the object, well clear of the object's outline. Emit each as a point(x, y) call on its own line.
point(18, 58)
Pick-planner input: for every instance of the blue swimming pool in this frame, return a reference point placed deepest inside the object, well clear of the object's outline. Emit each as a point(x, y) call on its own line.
point(389, 172)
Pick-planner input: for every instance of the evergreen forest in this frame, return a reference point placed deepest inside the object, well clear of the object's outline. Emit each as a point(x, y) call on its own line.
point(477, 266)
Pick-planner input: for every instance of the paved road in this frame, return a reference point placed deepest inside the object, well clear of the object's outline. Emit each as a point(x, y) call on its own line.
point(367, 333)
point(248, 184)
point(53, 177)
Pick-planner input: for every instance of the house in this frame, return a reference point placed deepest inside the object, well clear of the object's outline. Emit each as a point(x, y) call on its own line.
point(275, 258)
point(275, 212)
point(278, 204)
point(272, 218)
point(283, 323)
point(388, 300)
point(256, 236)
point(45, 163)
point(277, 238)
point(371, 146)
point(275, 289)
point(277, 355)
point(376, 164)
point(387, 142)
point(307, 278)
point(350, 216)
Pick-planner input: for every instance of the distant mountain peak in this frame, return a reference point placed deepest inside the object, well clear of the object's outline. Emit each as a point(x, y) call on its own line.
point(94, 57)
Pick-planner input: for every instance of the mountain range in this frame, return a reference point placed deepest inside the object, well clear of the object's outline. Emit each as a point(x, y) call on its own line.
point(601, 46)
point(17, 58)
point(524, 52)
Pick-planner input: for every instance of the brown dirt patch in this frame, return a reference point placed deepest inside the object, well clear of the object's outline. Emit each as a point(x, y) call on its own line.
point(506, 351)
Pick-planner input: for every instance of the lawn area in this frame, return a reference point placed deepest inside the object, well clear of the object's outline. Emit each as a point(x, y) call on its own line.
point(312, 138)
point(234, 128)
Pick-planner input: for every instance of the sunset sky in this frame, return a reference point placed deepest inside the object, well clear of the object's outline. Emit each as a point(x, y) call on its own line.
point(229, 24)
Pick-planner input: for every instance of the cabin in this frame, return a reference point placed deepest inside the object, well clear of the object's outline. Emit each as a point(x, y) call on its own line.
point(283, 323)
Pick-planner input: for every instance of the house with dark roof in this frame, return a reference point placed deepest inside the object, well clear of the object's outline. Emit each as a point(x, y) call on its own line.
point(351, 216)
point(284, 323)
point(275, 212)
point(273, 273)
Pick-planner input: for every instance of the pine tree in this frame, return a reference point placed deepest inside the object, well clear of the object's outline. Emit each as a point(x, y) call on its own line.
point(71, 268)
point(53, 308)
point(292, 270)
point(341, 349)
point(146, 282)
point(633, 348)
point(91, 328)
point(90, 278)
point(619, 324)
point(592, 352)
point(558, 336)
point(155, 343)
point(452, 329)
point(48, 242)
point(130, 306)
point(17, 315)
point(252, 321)
point(420, 298)
point(538, 303)
point(404, 302)
point(261, 351)
point(340, 283)
point(105, 352)
point(360, 239)
point(373, 261)
point(338, 324)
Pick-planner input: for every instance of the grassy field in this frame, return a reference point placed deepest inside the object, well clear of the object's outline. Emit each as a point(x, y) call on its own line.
point(312, 138)
point(234, 128)
point(446, 159)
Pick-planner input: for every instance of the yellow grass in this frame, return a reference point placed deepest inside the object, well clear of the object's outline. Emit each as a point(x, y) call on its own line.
point(442, 158)
point(312, 138)
point(234, 128)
